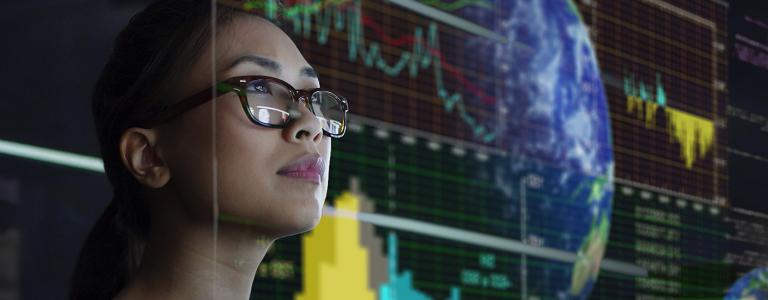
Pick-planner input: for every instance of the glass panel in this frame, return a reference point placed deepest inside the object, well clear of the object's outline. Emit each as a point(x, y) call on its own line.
point(496, 149)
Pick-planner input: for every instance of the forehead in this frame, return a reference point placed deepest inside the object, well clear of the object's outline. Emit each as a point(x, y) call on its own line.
point(252, 35)
point(247, 35)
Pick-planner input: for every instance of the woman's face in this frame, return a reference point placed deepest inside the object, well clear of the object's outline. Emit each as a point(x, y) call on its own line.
point(254, 184)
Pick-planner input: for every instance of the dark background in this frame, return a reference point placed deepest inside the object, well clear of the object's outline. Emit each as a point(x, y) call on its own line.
point(51, 55)
point(748, 86)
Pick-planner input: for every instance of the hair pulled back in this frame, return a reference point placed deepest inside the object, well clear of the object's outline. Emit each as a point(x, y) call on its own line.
point(148, 58)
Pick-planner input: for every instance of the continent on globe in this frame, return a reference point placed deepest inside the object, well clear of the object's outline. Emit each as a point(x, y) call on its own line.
point(554, 115)
point(752, 286)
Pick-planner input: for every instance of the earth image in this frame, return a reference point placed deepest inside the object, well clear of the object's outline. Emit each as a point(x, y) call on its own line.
point(553, 115)
point(752, 286)
point(550, 115)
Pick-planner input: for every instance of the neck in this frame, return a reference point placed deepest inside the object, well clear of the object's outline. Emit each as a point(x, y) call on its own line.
point(187, 261)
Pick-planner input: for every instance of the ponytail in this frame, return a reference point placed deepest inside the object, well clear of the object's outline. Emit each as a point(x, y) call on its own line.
point(150, 54)
point(112, 251)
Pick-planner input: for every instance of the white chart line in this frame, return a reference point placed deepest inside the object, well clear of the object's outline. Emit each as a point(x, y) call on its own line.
point(358, 119)
point(58, 157)
point(683, 13)
point(480, 239)
point(449, 19)
point(95, 164)
point(715, 82)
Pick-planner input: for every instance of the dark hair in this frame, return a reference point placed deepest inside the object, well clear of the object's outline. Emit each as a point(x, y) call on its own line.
point(149, 55)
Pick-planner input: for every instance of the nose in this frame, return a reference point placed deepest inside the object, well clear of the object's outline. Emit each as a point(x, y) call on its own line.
point(304, 127)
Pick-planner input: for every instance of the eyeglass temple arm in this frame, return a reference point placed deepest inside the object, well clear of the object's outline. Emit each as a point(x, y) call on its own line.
point(174, 110)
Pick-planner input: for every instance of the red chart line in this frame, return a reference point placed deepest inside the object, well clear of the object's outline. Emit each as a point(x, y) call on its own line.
point(407, 40)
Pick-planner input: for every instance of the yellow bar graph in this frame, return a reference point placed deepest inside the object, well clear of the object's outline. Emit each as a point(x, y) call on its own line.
point(695, 134)
point(334, 258)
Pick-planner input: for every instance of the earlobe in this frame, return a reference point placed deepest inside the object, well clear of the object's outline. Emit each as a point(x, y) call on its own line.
point(141, 158)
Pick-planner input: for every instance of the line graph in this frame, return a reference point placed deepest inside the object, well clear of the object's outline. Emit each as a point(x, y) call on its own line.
point(484, 240)
point(695, 134)
point(345, 16)
point(448, 19)
point(663, 64)
point(420, 227)
point(673, 84)
point(457, 4)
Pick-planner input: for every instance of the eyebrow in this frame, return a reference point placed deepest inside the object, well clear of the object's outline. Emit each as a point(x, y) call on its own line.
point(261, 61)
point(309, 72)
point(270, 64)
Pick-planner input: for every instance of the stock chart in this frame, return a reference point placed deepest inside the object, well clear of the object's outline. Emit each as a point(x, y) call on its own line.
point(484, 128)
point(521, 149)
point(479, 162)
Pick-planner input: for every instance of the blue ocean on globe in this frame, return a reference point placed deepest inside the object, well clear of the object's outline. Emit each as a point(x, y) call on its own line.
point(553, 119)
point(752, 286)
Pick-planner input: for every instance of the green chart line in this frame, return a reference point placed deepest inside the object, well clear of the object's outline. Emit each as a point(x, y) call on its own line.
point(424, 54)
point(456, 5)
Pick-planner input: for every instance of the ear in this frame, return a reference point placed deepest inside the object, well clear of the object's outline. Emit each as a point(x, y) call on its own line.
point(140, 156)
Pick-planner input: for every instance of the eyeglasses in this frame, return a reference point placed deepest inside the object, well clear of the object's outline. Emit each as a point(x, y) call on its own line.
point(269, 102)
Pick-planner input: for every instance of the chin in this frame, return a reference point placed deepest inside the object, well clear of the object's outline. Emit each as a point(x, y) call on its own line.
point(277, 223)
point(300, 221)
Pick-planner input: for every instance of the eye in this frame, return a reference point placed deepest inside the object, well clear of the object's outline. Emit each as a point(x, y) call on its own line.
point(258, 87)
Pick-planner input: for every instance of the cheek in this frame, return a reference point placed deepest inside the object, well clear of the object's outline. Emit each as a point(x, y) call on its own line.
point(325, 150)
point(245, 165)
point(189, 158)
point(249, 188)
point(243, 149)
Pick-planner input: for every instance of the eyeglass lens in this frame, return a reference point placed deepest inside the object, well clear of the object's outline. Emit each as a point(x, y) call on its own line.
point(270, 103)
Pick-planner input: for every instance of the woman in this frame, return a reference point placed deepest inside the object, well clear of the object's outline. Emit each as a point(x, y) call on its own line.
point(212, 153)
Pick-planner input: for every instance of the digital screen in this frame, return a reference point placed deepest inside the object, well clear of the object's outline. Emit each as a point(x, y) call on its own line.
point(553, 149)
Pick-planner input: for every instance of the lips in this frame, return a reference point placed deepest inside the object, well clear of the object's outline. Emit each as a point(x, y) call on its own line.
point(308, 167)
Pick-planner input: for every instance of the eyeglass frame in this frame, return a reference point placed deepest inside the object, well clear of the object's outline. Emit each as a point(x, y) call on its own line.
point(238, 85)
